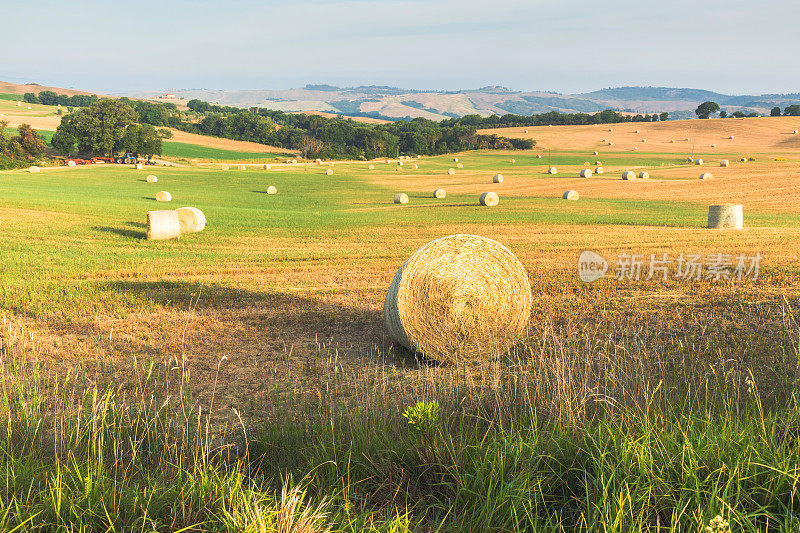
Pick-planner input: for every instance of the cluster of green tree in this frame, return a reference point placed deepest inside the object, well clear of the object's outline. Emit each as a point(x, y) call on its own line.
point(18, 151)
point(51, 98)
point(338, 138)
point(553, 117)
point(199, 106)
point(790, 111)
point(108, 127)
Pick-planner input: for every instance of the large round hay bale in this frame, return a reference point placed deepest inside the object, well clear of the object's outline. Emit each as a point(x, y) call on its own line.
point(163, 196)
point(162, 225)
point(371, 167)
point(489, 199)
point(401, 198)
point(628, 175)
point(570, 195)
point(414, 166)
point(586, 163)
point(598, 163)
point(33, 169)
point(706, 176)
point(598, 170)
point(605, 140)
point(451, 171)
point(267, 167)
point(241, 167)
point(538, 156)
point(294, 161)
point(636, 148)
point(419, 156)
point(637, 131)
point(455, 160)
point(461, 298)
point(743, 160)
point(724, 163)
point(725, 216)
point(459, 165)
point(329, 172)
point(513, 160)
point(552, 170)
point(713, 146)
point(586, 173)
point(152, 179)
point(70, 163)
point(139, 166)
point(644, 175)
point(399, 163)
point(690, 159)
point(272, 189)
point(610, 129)
point(526, 131)
point(596, 152)
point(439, 193)
point(191, 219)
point(796, 132)
point(224, 167)
point(698, 161)
point(610, 143)
point(497, 178)
point(644, 140)
point(731, 137)
point(672, 141)
point(318, 161)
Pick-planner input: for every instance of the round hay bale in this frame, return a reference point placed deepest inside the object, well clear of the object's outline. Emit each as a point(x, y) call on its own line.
point(272, 189)
point(397, 169)
point(329, 172)
point(267, 167)
point(152, 179)
point(513, 160)
point(586, 173)
point(139, 166)
point(598, 170)
point(163, 225)
point(698, 161)
point(713, 146)
point(586, 163)
point(690, 159)
point(489, 199)
point(191, 219)
point(461, 298)
point(439, 193)
point(644, 140)
point(636, 148)
point(570, 195)
point(419, 156)
point(70, 163)
point(318, 161)
point(672, 141)
point(460, 165)
point(637, 131)
point(333, 163)
point(497, 178)
point(706, 176)
point(724, 163)
point(725, 216)
point(455, 160)
point(605, 140)
point(241, 167)
point(610, 143)
point(451, 171)
point(686, 138)
point(552, 170)
point(598, 163)
point(33, 169)
point(294, 161)
point(796, 132)
point(401, 198)
point(644, 175)
point(526, 131)
point(596, 153)
point(224, 167)
point(163, 196)
point(538, 156)
point(743, 160)
point(29, 107)
point(399, 163)
point(371, 167)
point(414, 166)
point(731, 137)
point(610, 129)
point(628, 175)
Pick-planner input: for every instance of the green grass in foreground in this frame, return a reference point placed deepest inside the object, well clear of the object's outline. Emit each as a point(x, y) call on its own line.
point(194, 151)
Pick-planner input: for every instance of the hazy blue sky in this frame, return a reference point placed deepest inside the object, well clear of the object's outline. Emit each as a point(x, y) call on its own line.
point(733, 46)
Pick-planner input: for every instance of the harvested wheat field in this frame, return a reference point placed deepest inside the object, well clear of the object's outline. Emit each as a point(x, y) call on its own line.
point(268, 325)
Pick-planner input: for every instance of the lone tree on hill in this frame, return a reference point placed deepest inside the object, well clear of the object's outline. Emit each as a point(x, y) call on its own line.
point(97, 129)
point(776, 112)
point(705, 109)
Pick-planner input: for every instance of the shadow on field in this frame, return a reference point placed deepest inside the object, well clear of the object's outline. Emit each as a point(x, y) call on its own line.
point(128, 233)
point(151, 198)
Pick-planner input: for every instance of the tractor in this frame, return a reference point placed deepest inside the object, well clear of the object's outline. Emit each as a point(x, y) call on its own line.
point(127, 159)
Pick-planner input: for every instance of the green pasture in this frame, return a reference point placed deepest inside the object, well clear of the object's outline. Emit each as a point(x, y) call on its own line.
point(194, 151)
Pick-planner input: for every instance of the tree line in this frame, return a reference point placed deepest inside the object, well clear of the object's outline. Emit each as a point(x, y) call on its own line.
point(554, 118)
point(20, 150)
point(51, 98)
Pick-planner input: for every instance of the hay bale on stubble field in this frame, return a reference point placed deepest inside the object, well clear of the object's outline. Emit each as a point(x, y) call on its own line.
point(241, 167)
point(439, 193)
point(451, 171)
point(513, 160)
point(191, 219)
point(570, 195)
point(459, 165)
point(70, 163)
point(644, 175)
point(497, 178)
point(329, 172)
point(401, 198)
point(725, 216)
point(628, 175)
point(163, 196)
point(267, 167)
point(552, 170)
point(371, 167)
point(706, 176)
point(598, 170)
point(272, 189)
point(724, 163)
point(163, 225)
point(461, 298)
point(698, 161)
point(139, 166)
point(489, 199)
point(586, 173)
point(34, 169)
point(152, 179)
point(224, 167)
